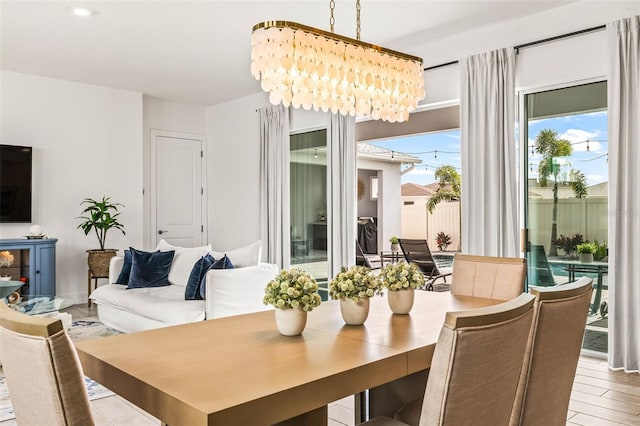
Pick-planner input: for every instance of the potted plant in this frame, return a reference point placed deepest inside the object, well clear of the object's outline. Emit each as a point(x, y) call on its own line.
point(401, 279)
point(100, 217)
point(586, 251)
point(293, 293)
point(353, 287)
point(395, 244)
point(443, 240)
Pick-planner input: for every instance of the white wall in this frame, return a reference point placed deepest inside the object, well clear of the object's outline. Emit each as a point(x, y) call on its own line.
point(160, 114)
point(87, 142)
point(234, 171)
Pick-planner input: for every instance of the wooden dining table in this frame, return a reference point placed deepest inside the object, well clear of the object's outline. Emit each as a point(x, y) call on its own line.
point(240, 370)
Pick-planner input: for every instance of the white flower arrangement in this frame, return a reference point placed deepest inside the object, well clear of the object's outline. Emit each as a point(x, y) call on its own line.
point(401, 276)
point(6, 259)
point(354, 283)
point(291, 289)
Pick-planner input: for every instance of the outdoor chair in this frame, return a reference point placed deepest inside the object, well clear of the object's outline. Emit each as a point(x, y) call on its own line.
point(362, 259)
point(539, 272)
point(474, 374)
point(500, 278)
point(417, 251)
point(552, 356)
point(43, 372)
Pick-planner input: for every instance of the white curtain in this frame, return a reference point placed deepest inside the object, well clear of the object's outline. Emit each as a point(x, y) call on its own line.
point(624, 199)
point(342, 198)
point(274, 184)
point(489, 189)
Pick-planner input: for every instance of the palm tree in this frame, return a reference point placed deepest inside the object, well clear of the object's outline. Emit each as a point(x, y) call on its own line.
point(449, 189)
point(549, 146)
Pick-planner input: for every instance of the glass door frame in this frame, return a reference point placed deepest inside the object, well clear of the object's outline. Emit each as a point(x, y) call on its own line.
point(523, 139)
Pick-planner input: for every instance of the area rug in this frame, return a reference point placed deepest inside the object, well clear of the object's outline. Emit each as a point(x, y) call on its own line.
point(84, 329)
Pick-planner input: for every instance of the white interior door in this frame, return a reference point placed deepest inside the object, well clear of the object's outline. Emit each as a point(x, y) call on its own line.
point(178, 190)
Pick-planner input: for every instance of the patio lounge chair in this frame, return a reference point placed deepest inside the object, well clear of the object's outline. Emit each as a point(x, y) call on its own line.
point(417, 251)
point(538, 265)
point(362, 259)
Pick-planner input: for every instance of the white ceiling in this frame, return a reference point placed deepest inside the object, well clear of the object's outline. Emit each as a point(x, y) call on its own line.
point(197, 52)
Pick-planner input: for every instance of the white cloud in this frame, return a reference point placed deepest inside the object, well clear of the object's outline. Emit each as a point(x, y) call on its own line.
point(579, 137)
point(595, 178)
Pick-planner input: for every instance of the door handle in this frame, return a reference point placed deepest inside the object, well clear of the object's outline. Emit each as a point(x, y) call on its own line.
point(160, 231)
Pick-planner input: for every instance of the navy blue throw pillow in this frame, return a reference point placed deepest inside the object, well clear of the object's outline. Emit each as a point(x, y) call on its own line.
point(123, 277)
point(150, 269)
point(222, 263)
point(192, 290)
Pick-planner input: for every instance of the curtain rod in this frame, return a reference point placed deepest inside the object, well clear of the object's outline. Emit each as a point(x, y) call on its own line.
point(533, 43)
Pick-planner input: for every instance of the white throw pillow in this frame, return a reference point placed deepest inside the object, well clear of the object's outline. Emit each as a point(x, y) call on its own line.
point(237, 291)
point(243, 256)
point(183, 261)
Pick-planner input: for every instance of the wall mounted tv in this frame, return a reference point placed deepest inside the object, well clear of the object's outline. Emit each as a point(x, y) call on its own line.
point(15, 183)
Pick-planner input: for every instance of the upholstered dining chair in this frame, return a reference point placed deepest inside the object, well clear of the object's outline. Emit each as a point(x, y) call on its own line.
point(476, 366)
point(43, 372)
point(500, 278)
point(552, 356)
point(417, 251)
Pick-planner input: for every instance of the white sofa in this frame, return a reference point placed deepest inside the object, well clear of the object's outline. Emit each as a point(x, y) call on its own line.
point(228, 292)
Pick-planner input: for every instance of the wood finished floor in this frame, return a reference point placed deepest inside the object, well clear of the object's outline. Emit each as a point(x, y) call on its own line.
point(600, 397)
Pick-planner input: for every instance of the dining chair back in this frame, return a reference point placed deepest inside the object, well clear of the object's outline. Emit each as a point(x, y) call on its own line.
point(475, 369)
point(552, 356)
point(417, 251)
point(500, 278)
point(43, 372)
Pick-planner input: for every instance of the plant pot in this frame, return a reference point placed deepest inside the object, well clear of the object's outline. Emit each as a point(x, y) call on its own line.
point(395, 247)
point(401, 301)
point(98, 261)
point(354, 313)
point(291, 321)
point(586, 257)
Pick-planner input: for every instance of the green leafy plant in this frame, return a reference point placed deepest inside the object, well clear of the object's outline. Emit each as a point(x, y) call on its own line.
point(401, 276)
point(291, 289)
point(601, 251)
point(354, 283)
point(100, 216)
point(443, 240)
point(394, 240)
point(587, 248)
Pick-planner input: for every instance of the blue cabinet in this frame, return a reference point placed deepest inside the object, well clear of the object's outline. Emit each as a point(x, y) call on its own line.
point(35, 261)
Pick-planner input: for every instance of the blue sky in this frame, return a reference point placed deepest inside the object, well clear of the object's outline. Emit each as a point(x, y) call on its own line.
point(577, 129)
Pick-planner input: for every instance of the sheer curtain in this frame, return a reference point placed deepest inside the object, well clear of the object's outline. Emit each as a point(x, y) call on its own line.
point(489, 190)
point(624, 201)
point(342, 183)
point(274, 184)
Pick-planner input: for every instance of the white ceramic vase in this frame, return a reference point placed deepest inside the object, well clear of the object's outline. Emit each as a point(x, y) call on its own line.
point(586, 257)
point(354, 313)
point(395, 247)
point(401, 301)
point(291, 321)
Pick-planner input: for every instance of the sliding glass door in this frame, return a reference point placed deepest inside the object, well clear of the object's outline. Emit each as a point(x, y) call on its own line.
point(566, 187)
point(308, 204)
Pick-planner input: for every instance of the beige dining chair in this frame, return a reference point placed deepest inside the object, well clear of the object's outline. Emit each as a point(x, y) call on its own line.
point(476, 366)
point(500, 278)
point(43, 372)
point(553, 351)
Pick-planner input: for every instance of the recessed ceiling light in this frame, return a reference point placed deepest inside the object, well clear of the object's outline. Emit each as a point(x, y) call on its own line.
point(82, 11)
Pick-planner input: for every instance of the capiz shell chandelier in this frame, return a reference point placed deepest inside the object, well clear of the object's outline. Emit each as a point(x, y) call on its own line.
point(310, 68)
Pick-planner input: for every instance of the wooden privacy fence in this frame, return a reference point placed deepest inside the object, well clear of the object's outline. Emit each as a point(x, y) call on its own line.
point(417, 222)
point(586, 216)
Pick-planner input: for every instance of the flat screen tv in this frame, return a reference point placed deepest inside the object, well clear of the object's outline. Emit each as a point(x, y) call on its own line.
point(15, 183)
